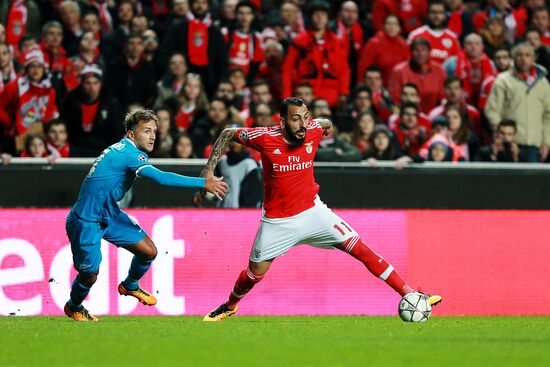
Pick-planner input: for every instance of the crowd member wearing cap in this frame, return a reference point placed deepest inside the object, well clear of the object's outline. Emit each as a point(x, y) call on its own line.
point(29, 98)
point(427, 75)
point(92, 116)
point(319, 57)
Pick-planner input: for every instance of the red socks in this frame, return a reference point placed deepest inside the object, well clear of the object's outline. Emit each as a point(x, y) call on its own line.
point(376, 264)
point(247, 279)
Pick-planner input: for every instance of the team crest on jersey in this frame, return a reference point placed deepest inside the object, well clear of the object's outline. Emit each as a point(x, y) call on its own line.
point(447, 42)
point(198, 39)
point(142, 158)
point(243, 135)
point(309, 147)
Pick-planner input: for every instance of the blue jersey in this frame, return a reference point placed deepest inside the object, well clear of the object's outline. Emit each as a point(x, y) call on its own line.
point(111, 176)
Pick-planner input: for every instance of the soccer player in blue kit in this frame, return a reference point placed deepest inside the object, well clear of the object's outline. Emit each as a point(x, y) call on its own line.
point(96, 214)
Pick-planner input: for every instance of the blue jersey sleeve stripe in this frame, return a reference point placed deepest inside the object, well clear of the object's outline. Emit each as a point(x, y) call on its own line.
point(142, 167)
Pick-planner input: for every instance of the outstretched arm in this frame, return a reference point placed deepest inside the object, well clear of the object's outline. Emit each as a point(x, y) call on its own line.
point(227, 136)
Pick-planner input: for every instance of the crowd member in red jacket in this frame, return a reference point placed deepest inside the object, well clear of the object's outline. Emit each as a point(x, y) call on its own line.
point(410, 135)
point(409, 93)
point(541, 21)
point(515, 19)
point(460, 20)
point(29, 98)
point(427, 75)
point(385, 50)
point(318, 56)
point(272, 68)
point(443, 42)
point(410, 12)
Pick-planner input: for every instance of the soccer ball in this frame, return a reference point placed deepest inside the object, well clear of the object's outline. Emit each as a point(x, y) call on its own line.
point(414, 307)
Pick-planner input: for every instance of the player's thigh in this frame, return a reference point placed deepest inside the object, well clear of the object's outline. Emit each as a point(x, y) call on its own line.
point(325, 229)
point(122, 231)
point(274, 238)
point(85, 238)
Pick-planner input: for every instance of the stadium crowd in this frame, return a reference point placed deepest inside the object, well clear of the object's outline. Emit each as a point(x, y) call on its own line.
point(406, 80)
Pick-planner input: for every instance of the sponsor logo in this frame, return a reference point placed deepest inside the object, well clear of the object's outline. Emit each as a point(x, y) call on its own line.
point(243, 135)
point(277, 151)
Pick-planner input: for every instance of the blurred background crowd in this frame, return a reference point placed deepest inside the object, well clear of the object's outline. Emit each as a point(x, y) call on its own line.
point(406, 80)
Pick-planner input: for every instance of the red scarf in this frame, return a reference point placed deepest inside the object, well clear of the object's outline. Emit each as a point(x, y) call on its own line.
point(356, 35)
point(473, 75)
point(62, 152)
point(36, 103)
point(159, 7)
point(530, 78)
point(16, 26)
point(197, 39)
point(89, 112)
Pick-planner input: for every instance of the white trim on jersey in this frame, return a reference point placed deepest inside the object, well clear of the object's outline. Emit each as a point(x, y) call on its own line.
point(142, 167)
point(352, 242)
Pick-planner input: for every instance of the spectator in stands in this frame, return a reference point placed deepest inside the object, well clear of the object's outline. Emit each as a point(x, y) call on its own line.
point(183, 147)
point(443, 42)
point(164, 142)
point(28, 99)
point(201, 42)
point(454, 96)
point(540, 20)
point(304, 91)
point(57, 141)
point(411, 13)
point(504, 148)
point(361, 136)
point(92, 23)
point(227, 91)
point(515, 19)
point(172, 82)
point(410, 135)
point(460, 19)
point(353, 34)
point(428, 76)
point(35, 146)
point(361, 102)
point(320, 108)
point(23, 17)
point(7, 66)
point(152, 52)
point(380, 97)
point(24, 45)
point(244, 44)
point(385, 50)
point(317, 56)
point(335, 149)
point(494, 36)
point(503, 62)
point(55, 56)
point(472, 66)
point(132, 78)
point(542, 52)
point(466, 143)
point(89, 52)
point(381, 147)
point(237, 77)
point(293, 22)
point(205, 130)
point(262, 115)
point(271, 69)
point(522, 94)
point(69, 12)
point(409, 93)
point(227, 14)
point(114, 42)
point(192, 103)
point(92, 115)
point(139, 24)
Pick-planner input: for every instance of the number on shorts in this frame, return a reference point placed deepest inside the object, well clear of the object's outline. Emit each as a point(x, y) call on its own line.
point(339, 229)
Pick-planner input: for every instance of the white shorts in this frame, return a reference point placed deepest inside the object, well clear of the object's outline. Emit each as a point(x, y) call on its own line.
point(317, 227)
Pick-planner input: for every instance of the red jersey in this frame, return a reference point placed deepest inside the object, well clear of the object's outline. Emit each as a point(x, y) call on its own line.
point(289, 183)
point(244, 49)
point(444, 43)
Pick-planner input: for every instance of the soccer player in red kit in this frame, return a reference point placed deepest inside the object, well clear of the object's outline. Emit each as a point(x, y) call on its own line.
point(293, 213)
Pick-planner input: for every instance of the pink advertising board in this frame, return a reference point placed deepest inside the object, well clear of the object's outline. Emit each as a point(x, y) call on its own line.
point(482, 262)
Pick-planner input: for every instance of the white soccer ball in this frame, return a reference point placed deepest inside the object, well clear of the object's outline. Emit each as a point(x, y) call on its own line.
point(414, 307)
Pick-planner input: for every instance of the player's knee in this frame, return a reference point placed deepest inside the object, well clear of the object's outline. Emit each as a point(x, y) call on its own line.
point(150, 253)
point(88, 279)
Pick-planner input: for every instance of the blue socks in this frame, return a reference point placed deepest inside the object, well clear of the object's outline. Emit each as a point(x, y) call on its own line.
point(79, 291)
point(138, 268)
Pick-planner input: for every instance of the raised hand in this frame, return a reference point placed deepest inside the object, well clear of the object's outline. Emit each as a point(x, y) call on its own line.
point(216, 186)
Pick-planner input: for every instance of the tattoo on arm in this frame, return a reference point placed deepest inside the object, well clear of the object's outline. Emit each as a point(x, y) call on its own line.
point(324, 123)
point(227, 136)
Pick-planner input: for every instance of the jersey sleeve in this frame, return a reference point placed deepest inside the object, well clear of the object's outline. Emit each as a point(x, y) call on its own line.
point(252, 137)
point(315, 130)
point(136, 161)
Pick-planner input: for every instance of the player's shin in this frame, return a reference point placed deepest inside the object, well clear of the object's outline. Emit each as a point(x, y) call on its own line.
point(138, 268)
point(246, 281)
point(79, 291)
point(376, 265)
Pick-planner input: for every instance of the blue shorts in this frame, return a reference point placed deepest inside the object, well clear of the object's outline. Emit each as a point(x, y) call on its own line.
point(86, 238)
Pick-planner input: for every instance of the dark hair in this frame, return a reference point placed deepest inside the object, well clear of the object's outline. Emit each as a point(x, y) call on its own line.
point(361, 88)
point(373, 68)
point(247, 4)
point(503, 48)
point(304, 84)
point(420, 42)
point(508, 123)
point(26, 37)
point(177, 138)
point(540, 9)
point(222, 100)
point(133, 35)
point(410, 85)
point(533, 29)
point(436, 2)
point(463, 132)
point(408, 105)
point(292, 101)
point(134, 118)
point(48, 125)
point(30, 138)
point(451, 79)
point(236, 70)
point(259, 82)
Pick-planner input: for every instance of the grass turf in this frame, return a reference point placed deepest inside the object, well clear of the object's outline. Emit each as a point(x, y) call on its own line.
point(275, 341)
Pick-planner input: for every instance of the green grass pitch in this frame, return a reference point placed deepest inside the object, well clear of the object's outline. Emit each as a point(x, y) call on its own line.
point(275, 341)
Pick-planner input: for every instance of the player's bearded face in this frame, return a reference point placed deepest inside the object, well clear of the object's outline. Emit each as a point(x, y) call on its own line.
point(144, 136)
point(295, 124)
